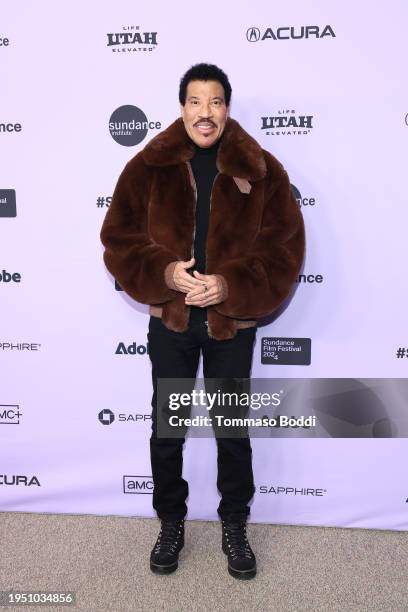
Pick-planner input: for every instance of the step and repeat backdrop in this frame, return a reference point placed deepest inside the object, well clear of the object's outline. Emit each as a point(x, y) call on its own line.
point(322, 87)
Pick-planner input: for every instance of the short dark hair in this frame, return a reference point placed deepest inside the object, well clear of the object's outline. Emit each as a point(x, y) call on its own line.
point(204, 72)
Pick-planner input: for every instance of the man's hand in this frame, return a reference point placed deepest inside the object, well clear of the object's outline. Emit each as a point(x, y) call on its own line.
point(182, 279)
point(215, 293)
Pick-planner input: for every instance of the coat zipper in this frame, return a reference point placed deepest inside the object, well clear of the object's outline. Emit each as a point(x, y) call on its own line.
point(194, 217)
point(190, 171)
point(209, 220)
point(212, 188)
point(192, 179)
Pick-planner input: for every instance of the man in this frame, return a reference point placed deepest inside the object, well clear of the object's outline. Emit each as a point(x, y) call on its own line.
point(204, 228)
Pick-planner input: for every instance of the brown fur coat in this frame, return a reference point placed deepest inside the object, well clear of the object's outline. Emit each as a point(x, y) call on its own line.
point(255, 240)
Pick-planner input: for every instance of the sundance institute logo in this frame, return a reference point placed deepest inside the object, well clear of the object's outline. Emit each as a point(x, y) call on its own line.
point(128, 125)
point(301, 200)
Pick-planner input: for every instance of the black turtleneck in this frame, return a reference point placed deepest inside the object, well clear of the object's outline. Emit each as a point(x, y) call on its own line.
point(205, 171)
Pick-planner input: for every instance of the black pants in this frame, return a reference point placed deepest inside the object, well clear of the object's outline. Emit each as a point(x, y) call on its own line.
point(176, 355)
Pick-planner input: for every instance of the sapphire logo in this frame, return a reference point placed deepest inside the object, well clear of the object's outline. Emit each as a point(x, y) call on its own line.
point(254, 34)
point(106, 417)
point(280, 490)
point(20, 346)
point(129, 125)
point(135, 418)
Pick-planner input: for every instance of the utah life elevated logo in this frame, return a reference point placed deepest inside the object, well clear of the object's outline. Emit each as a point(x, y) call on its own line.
point(130, 39)
point(287, 123)
point(254, 34)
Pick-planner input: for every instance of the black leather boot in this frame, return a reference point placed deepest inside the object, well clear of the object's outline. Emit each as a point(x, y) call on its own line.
point(165, 553)
point(241, 559)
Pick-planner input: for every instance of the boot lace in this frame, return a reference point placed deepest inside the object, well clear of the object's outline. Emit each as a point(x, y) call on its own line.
point(237, 541)
point(168, 538)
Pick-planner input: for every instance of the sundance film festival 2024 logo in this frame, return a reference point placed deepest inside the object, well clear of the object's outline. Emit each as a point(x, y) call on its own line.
point(255, 34)
point(128, 125)
point(287, 123)
point(286, 351)
point(130, 40)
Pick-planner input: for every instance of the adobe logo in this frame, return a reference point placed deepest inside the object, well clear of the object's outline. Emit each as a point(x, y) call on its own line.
point(7, 277)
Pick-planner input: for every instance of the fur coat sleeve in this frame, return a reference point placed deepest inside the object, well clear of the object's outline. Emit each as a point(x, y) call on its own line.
point(260, 280)
point(137, 262)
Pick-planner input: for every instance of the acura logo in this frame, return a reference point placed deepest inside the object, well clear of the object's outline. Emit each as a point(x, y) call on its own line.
point(290, 32)
point(253, 34)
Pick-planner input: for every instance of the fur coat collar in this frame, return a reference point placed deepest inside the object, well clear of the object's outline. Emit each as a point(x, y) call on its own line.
point(239, 155)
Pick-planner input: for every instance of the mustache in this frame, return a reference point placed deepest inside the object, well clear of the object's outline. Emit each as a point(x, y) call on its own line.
point(205, 121)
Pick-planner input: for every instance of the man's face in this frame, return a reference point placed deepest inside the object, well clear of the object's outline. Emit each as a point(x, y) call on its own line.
point(204, 113)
